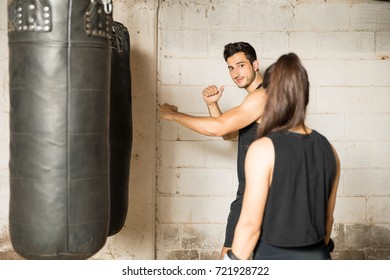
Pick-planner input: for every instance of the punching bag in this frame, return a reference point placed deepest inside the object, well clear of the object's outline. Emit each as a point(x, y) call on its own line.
point(121, 128)
point(59, 67)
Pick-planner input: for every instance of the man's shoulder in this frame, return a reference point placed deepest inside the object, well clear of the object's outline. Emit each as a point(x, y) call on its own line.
point(257, 94)
point(254, 104)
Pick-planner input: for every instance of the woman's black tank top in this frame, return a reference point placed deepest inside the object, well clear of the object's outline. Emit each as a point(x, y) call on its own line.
point(304, 171)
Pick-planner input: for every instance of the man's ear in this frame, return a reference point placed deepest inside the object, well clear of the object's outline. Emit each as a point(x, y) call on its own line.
point(255, 65)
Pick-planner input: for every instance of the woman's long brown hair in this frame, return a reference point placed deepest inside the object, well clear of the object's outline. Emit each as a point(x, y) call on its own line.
point(287, 86)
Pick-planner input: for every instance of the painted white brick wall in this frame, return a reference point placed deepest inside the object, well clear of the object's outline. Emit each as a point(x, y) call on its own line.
point(345, 47)
point(4, 122)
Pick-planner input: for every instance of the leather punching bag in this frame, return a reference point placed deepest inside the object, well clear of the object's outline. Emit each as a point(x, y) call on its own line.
point(121, 128)
point(59, 67)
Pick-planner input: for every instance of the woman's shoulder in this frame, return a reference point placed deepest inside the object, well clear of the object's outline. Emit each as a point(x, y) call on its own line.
point(261, 153)
point(262, 144)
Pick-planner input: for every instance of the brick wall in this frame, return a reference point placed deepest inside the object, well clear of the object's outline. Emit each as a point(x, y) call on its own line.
point(344, 45)
point(5, 246)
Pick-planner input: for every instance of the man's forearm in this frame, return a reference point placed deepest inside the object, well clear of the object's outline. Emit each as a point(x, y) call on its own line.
point(214, 110)
point(208, 126)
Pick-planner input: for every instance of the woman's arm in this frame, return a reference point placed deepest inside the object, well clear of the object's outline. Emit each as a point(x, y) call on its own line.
point(259, 165)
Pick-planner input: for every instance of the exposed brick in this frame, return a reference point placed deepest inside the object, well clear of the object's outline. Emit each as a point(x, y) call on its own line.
point(348, 255)
point(168, 236)
point(210, 255)
point(378, 254)
point(202, 236)
point(361, 237)
point(182, 255)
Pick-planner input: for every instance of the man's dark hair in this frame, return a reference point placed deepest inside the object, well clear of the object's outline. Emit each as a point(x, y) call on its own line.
point(246, 48)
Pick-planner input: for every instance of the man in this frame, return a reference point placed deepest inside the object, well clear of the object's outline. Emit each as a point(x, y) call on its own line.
point(242, 120)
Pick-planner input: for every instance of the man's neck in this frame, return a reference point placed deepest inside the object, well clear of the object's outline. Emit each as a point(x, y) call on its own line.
point(256, 82)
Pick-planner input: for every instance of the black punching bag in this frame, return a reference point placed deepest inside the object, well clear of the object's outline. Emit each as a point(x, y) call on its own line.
point(59, 67)
point(121, 129)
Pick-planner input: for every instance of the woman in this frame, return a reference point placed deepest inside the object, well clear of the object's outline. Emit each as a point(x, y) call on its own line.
point(292, 175)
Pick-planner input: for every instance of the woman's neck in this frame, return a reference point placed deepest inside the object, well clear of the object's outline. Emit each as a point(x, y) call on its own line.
point(301, 129)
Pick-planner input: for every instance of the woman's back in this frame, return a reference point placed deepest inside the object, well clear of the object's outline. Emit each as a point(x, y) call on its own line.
point(304, 171)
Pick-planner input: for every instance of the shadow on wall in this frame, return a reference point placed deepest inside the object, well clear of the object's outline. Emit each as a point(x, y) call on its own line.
point(136, 238)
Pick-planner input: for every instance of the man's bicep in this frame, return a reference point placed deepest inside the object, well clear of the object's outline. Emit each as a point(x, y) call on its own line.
point(243, 115)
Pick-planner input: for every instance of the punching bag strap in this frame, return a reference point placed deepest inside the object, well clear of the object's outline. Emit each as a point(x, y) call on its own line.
point(118, 40)
point(98, 18)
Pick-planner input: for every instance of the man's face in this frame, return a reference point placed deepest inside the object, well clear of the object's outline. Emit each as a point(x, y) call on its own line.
point(241, 70)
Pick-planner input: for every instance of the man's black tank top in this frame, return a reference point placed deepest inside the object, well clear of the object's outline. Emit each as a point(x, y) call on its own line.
point(304, 171)
point(246, 136)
